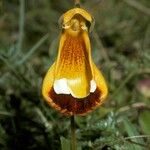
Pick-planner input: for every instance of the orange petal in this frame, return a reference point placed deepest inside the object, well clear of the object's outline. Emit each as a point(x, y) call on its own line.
point(69, 105)
point(100, 82)
point(48, 82)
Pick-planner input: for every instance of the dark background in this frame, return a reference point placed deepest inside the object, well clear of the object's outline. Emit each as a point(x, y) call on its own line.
point(120, 47)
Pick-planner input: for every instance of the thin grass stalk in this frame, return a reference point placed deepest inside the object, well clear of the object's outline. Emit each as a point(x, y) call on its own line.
point(21, 26)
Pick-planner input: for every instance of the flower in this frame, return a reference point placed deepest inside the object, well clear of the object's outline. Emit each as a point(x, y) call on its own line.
point(73, 85)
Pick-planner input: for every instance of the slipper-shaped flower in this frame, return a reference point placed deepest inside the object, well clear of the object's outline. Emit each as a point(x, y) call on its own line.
point(73, 85)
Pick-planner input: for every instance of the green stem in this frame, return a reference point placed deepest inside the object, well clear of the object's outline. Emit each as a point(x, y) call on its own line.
point(73, 134)
point(77, 3)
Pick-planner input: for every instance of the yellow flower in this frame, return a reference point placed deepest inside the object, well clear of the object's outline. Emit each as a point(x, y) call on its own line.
point(73, 85)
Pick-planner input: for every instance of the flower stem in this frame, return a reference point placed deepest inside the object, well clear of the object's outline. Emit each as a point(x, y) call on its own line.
point(77, 3)
point(73, 134)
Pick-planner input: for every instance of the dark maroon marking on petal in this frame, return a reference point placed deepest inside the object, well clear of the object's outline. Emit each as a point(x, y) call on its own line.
point(75, 105)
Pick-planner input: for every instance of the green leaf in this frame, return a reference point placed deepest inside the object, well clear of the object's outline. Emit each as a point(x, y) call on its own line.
point(5, 113)
point(65, 143)
point(102, 111)
point(132, 131)
point(145, 121)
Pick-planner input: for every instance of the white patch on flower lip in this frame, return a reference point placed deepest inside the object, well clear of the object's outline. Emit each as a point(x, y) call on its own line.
point(92, 86)
point(61, 87)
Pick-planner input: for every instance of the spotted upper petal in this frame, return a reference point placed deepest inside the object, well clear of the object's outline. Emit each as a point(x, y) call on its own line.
point(73, 65)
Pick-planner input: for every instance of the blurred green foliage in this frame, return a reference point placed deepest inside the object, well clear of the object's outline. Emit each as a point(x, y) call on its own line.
point(120, 47)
